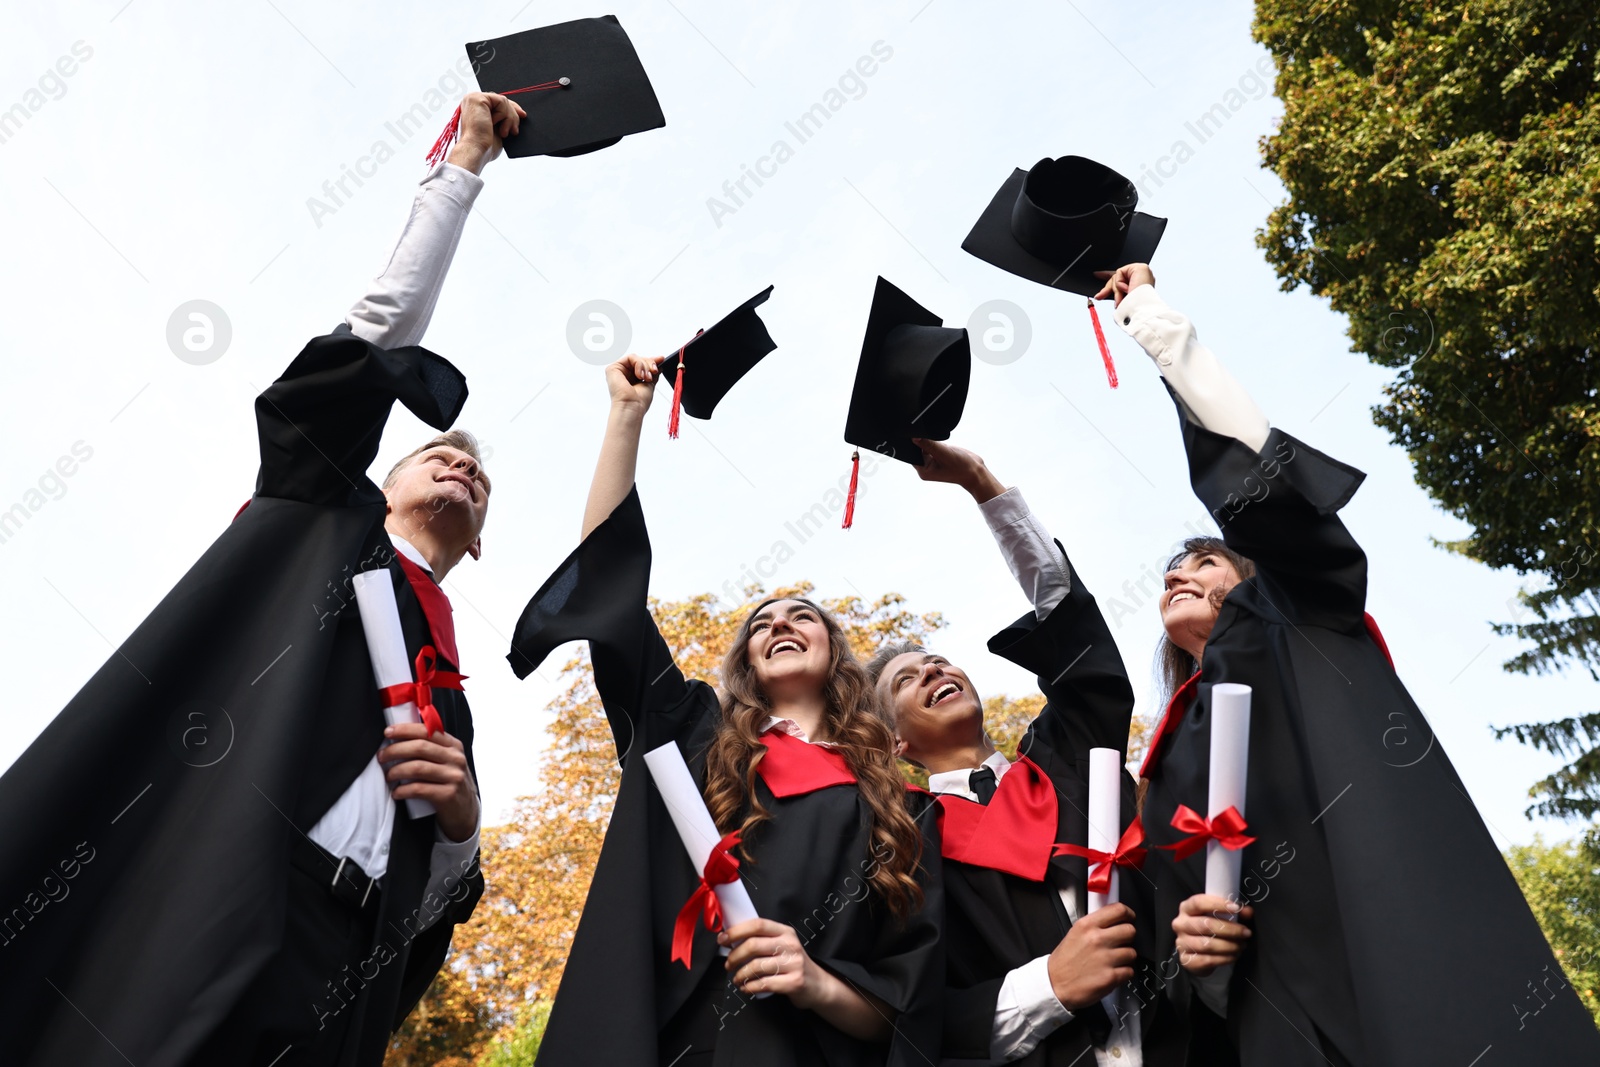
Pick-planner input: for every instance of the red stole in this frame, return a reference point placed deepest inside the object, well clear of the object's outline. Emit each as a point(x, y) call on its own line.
point(1169, 722)
point(1377, 637)
point(435, 605)
point(1014, 833)
point(793, 767)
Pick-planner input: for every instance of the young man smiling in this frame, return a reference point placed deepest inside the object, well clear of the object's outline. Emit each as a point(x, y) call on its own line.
point(257, 894)
point(1027, 965)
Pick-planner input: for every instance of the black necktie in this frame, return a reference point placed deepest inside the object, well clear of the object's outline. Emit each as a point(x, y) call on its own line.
point(982, 782)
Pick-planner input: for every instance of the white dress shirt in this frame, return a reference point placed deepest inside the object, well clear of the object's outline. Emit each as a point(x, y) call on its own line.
point(394, 314)
point(1027, 1011)
point(1029, 550)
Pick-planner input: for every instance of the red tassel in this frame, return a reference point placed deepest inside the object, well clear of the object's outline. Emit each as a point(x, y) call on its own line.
point(677, 397)
point(850, 499)
point(1105, 352)
point(441, 147)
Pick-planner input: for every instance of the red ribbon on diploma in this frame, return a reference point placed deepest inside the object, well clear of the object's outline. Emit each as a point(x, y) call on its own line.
point(1128, 853)
point(1227, 829)
point(722, 867)
point(420, 691)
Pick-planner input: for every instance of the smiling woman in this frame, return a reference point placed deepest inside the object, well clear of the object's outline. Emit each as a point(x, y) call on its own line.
point(1196, 580)
point(840, 861)
point(1343, 964)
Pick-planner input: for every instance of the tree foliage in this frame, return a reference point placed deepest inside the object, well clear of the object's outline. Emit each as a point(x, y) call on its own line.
point(1442, 161)
point(1562, 884)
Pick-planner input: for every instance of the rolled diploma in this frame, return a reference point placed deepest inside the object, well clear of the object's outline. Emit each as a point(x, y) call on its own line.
point(1230, 761)
point(386, 646)
point(1105, 828)
point(1105, 812)
point(693, 822)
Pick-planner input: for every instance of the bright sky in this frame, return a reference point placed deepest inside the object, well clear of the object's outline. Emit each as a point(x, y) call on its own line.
point(167, 153)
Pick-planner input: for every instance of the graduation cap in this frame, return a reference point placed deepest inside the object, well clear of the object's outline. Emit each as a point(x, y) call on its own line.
point(722, 355)
point(911, 382)
point(1062, 221)
point(581, 84)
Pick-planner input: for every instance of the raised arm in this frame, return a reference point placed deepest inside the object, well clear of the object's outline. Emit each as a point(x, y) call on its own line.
point(396, 310)
point(1209, 395)
point(1033, 557)
point(632, 383)
point(1275, 498)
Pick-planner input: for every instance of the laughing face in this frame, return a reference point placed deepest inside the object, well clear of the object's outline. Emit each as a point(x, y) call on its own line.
point(789, 647)
point(936, 708)
point(1193, 596)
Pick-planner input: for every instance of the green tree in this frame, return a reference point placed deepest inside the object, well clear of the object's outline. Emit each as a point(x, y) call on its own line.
point(1442, 162)
point(1562, 884)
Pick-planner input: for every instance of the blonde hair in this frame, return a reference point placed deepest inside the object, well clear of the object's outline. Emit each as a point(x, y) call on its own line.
point(461, 440)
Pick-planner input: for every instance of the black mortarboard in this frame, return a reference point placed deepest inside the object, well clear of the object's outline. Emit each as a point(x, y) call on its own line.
point(580, 82)
point(719, 357)
point(912, 378)
point(1063, 220)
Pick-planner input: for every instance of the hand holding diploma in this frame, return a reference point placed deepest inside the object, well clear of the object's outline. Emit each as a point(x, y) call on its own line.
point(427, 770)
point(1211, 932)
point(700, 839)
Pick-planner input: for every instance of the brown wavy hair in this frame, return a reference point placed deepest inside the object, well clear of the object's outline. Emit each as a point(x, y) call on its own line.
point(852, 724)
point(1173, 665)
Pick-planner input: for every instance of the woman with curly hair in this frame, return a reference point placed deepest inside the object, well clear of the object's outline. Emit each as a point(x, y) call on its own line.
point(845, 965)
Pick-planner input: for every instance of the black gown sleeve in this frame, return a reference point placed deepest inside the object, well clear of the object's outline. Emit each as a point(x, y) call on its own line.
point(1088, 700)
point(319, 424)
point(1279, 508)
point(907, 964)
point(599, 593)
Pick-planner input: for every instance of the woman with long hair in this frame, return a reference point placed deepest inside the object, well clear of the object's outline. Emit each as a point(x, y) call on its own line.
point(1376, 922)
point(844, 966)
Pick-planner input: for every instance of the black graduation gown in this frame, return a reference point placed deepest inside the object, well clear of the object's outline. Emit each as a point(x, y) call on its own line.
point(620, 988)
point(1388, 928)
point(146, 832)
point(996, 921)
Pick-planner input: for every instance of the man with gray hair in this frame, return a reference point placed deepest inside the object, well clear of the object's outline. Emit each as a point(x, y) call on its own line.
point(217, 869)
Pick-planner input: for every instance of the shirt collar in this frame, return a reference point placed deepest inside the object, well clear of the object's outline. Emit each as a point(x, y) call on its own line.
point(792, 728)
point(409, 551)
point(956, 781)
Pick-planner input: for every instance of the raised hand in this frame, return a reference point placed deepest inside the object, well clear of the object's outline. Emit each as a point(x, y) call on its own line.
point(486, 120)
point(943, 462)
point(631, 381)
point(1124, 280)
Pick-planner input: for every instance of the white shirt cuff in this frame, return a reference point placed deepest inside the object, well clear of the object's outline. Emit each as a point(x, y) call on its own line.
point(1211, 396)
point(1029, 550)
point(1026, 1011)
point(449, 867)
